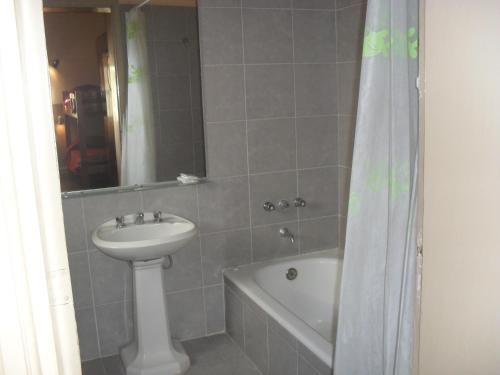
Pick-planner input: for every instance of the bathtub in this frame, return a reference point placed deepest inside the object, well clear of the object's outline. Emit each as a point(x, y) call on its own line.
point(305, 306)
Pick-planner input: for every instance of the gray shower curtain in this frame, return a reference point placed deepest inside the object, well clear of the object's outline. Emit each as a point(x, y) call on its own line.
point(378, 297)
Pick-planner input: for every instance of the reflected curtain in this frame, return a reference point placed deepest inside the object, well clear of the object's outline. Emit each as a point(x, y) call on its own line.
point(138, 164)
point(378, 294)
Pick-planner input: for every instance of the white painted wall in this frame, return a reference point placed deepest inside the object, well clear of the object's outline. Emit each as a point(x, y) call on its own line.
point(460, 327)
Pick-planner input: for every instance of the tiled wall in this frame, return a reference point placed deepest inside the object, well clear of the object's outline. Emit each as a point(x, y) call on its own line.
point(175, 76)
point(278, 87)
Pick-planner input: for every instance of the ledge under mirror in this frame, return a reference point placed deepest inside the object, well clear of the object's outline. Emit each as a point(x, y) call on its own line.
point(126, 92)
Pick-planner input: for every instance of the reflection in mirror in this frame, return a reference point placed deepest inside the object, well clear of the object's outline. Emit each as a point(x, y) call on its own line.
point(126, 93)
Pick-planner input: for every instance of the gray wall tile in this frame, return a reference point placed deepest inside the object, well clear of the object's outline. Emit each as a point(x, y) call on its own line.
point(226, 147)
point(273, 187)
point(173, 92)
point(314, 36)
point(267, 3)
point(87, 334)
point(113, 365)
point(171, 58)
point(225, 249)
point(316, 141)
point(315, 89)
point(282, 356)
point(214, 307)
point(185, 309)
point(111, 278)
point(342, 232)
point(272, 26)
point(320, 188)
point(350, 27)
point(256, 338)
point(344, 185)
point(73, 225)
point(80, 279)
point(221, 35)
point(269, 91)
point(234, 317)
point(174, 200)
point(268, 244)
point(224, 204)
point(168, 23)
point(175, 127)
point(314, 4)
point(276, 329)
point(346, 3)
point(348, 85)
point(271, 145)
point(305, 368)
point(319, 234)
point(347, 126)
point(94, 367)
point(219, 3)
point(314, 361)
point(223, 93)
point(115, 324)
point(185, 272)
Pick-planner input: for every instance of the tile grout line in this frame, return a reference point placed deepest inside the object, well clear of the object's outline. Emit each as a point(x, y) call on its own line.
point(190, 80)
point(243, 57)
point(94, 309)
point(337, 91)
point(297, 211)
point(201, 262)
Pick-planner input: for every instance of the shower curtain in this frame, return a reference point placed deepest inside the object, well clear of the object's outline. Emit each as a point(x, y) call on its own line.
point(377, 307)
point(138, 164)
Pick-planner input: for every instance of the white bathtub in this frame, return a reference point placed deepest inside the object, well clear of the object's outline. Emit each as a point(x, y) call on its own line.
point(306, 306)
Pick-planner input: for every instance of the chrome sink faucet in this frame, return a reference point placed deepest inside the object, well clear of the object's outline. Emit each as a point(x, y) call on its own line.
point(139, 218)
point(157, 217)
point(285, 233)
point(120, 222)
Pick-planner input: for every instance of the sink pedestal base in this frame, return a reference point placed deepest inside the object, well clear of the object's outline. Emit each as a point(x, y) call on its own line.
point(153, 352)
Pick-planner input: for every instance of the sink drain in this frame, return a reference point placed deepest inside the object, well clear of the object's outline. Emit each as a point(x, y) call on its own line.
point(292, 273)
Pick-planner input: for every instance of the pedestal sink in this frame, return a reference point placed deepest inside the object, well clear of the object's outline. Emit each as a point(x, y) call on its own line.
point(146, 244)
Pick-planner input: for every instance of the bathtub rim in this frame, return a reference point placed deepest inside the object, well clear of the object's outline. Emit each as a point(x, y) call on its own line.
point(243, 278)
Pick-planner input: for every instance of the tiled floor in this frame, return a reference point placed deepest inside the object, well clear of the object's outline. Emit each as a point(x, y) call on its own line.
point(214, 355)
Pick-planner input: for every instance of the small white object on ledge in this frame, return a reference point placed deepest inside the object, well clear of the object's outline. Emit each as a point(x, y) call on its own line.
point(188, 179)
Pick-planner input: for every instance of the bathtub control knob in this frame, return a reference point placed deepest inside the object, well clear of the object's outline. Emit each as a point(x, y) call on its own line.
point(283, 204)
point(292, 274)
point(299, 202)
point(268, 206)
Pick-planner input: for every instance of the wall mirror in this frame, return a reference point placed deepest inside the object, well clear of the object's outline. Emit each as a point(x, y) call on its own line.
point(126, 92)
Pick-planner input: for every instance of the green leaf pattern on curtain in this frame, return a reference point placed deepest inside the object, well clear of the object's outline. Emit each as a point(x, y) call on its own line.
point(381, 42)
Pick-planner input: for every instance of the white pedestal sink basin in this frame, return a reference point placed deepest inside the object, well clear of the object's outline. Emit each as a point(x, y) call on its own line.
point(152, 352)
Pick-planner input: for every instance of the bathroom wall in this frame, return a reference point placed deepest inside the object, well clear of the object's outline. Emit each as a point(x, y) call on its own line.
point(278, 87)
point(460, 319)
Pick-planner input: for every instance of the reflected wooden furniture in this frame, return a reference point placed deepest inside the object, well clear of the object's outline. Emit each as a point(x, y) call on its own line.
point(85, 116)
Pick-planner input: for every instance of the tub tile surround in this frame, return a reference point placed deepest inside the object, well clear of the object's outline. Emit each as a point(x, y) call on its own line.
point(270, 134)
point(270, 346)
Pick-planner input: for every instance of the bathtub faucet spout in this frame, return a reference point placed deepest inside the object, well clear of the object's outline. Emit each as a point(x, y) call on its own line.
point(285, 233)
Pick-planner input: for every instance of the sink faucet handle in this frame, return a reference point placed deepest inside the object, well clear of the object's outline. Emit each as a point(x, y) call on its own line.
point(268, 206)
point(283, 204)
point(139, 218)
point(299, 202)
point(120, 221)
point(157, 216)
